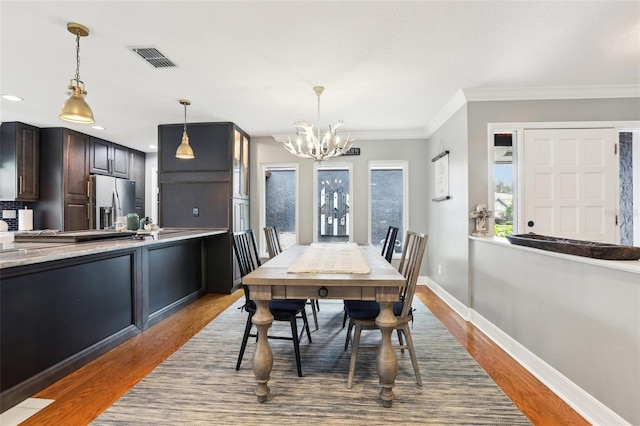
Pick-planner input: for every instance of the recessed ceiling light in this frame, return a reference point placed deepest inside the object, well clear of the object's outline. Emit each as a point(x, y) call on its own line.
point(153, 146)
point(13, 98)
point(97, 127)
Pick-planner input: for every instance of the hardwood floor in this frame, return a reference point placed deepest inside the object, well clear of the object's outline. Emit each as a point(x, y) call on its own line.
point(85, 394)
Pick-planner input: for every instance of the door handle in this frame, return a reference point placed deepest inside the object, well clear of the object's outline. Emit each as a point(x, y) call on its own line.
point(530, 224)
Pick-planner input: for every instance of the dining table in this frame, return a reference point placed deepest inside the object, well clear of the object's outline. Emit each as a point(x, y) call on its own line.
point(326, 271)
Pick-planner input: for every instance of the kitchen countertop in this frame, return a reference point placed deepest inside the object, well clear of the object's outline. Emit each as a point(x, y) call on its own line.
point(25, 253)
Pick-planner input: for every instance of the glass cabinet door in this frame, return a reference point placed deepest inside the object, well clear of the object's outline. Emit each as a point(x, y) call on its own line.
point(244, 177)
point(237, 156)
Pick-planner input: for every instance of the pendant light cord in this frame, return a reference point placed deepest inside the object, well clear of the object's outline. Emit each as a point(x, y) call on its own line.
point(78, 55)
point(185, 118)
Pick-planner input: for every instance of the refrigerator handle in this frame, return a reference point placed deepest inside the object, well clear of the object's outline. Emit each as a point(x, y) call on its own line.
point(118, 203)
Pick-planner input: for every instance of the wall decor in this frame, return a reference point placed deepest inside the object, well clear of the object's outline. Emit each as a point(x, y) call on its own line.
point(441, 176)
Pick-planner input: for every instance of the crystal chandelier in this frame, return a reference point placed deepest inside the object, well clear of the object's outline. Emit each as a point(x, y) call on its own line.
point(309, 144)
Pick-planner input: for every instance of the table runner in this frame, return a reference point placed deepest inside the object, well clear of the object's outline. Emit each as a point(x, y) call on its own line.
point(336, 258)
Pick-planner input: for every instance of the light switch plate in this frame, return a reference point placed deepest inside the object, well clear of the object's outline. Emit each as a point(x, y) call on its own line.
point(8, 214)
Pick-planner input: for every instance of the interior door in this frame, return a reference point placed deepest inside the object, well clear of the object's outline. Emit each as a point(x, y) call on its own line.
point(571, 183)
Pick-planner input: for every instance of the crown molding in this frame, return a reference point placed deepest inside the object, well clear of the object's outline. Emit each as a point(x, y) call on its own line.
point(551, 92)
point(495, 94)
point(529, 93)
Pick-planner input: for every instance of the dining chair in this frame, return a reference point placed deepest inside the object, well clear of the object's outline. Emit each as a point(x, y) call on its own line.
point(389, 244)
point(246, 251)
point(274, 248)
point(388, 247)
point(362, 314)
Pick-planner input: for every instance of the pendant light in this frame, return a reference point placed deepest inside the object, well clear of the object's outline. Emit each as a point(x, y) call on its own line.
point(184, 151)
point(76, 109)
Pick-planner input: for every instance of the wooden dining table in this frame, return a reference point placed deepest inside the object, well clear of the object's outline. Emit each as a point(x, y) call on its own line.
point(328, 275)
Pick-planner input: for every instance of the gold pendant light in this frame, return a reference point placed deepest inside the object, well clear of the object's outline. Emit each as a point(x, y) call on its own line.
point(76, 109)
point(184, 151)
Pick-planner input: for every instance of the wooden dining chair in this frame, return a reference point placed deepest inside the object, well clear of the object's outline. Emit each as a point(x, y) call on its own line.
point(362, 314)
point(389, 244)
point(246, 251)
point(274, 248)
point(388, 247)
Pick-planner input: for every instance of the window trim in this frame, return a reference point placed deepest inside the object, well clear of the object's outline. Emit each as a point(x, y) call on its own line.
point(262, 244)
point(390, 164)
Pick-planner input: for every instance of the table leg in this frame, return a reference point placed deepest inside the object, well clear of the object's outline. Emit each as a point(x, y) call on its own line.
point(386, 361)
point(262, 356)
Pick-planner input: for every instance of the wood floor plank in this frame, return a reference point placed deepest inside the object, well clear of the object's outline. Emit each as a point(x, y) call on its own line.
point(84, 394)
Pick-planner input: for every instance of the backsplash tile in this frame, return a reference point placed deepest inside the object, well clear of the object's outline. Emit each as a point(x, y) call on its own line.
point(13, 205)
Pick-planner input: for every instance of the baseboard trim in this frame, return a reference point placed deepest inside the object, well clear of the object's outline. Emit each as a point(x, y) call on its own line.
point(453, 303)
point(586, 405)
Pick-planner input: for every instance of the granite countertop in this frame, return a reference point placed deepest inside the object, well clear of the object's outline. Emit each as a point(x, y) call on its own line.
point(25, 253)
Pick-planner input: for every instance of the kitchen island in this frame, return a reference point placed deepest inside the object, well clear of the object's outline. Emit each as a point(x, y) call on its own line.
point(63, 305)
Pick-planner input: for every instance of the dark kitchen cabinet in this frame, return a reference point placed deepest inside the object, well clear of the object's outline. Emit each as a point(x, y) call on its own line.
point(137, 173)
point(19, 162)
point(108, 158)
point(208, 191)
point(64, 180)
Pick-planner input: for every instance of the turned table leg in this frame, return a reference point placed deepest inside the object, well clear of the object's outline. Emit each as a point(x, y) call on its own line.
point(386, 361)
point(262, 356)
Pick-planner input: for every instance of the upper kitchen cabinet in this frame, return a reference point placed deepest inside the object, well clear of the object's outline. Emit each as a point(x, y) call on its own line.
point(108, 158)
point(19, 162)
point(137, 173)
point(64, 176)
point(212, 145)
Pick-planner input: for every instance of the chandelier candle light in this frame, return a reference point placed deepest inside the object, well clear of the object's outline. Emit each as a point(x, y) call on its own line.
point(76, 109)
point(184, 151)
point(309, 145)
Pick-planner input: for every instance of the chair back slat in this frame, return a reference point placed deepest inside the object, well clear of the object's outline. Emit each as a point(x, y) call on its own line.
point(246, 250)
point(410, 262)
point(273, 241)
point(389, 243)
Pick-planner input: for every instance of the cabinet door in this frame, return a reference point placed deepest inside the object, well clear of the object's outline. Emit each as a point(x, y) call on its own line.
point(76, 170)
point(76, 215)
point(99, 157)
point(194, 205)
point(119, 161)
point(137, 174)
point(108, 158)
point(237, 163)
point(28, 156)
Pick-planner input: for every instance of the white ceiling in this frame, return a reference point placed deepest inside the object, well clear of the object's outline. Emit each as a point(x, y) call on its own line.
point(389, 67)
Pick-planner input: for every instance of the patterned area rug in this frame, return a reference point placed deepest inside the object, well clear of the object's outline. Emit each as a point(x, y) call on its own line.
point(199, 384)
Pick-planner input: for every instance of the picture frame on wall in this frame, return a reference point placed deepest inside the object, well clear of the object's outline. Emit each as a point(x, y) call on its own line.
point(441, 168)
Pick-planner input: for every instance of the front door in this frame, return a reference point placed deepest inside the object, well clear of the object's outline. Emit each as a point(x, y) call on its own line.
point(571, 183)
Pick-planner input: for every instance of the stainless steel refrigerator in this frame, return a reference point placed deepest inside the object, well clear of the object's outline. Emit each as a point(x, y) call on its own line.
point(110, 198)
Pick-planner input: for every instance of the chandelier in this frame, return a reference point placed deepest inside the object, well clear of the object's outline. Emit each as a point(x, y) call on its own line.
point(309, 144)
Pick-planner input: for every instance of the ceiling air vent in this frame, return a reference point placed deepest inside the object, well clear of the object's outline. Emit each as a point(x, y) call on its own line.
point(153, 56)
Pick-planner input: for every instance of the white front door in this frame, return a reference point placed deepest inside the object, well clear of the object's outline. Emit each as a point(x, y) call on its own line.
point(571, 183)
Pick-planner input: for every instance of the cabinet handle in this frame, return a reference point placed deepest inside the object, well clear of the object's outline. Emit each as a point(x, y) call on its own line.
point(20, 185)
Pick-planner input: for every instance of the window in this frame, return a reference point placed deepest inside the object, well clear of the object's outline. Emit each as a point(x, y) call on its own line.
point(280, 204)
point(503, 144)
point(334, 204)
point(388, 186)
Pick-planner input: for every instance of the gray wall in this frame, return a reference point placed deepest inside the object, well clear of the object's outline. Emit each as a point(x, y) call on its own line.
point(265, 150)
point(449, 225)
point(465, 136)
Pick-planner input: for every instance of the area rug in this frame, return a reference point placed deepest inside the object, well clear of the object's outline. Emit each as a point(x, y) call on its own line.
point(199, 384)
